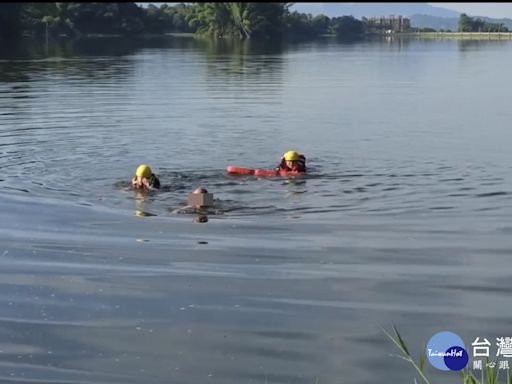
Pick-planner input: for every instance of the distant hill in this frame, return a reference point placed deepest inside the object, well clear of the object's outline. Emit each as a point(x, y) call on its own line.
point(451, 23)
point(358, 10)
point(506, 22)
point(422, 15)
point(427, 21)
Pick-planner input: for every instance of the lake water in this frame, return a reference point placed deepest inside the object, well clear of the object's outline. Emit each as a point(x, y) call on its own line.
point(405, 217)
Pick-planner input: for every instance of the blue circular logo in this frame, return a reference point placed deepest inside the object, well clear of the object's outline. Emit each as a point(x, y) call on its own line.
point(456, 358)
point(446, 351)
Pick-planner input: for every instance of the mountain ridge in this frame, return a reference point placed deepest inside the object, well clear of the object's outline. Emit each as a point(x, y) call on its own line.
point(359, 10)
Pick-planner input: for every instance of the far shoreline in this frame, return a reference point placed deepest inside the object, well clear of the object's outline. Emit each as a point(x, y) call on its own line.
point(422, 35)
point(457, 35)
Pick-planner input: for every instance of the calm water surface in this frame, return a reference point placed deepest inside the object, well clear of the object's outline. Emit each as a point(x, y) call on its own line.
point(405, 217)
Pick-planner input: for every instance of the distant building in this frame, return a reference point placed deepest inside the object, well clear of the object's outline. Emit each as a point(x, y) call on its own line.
point(389, 24)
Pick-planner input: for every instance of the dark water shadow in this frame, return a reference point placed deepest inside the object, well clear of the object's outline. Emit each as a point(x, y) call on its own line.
point(234, 60)
point(475, 45)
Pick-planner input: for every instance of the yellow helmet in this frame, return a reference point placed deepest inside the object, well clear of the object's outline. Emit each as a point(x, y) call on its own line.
point(291, 156)
point(143, 170)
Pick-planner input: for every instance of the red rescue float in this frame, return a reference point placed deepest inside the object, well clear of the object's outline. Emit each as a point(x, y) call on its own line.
point(240, 170)
point(290, 173)
point(232, 169)
point(265, 172)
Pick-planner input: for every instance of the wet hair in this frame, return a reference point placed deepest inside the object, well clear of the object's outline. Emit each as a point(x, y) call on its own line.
point(200, 190)
point(154, 182)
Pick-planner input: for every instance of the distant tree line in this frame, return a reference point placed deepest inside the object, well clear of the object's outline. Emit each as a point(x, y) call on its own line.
point(70, 18)
point(240, 20)
point(469, 24)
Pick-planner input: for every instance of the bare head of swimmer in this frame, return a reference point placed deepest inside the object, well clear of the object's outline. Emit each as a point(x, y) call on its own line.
point(200, 190)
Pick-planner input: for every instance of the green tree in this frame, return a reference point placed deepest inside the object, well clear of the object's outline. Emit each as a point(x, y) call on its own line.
point(465, 23)
point(264, 19)
point(82, 18)
point(156, 20)
point(468, 24)
point(321, 24)
point(34, 17)
point(478, 25)
point(347, 27)
point(299, 24)
point(244, 20)
point(180, 14)
point(210, 19)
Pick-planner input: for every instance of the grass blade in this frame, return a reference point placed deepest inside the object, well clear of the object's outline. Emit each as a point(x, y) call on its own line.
point(401, 341)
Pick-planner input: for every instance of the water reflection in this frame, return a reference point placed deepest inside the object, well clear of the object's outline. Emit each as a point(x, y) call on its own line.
point(10, 73)
point(236, 59)
point(104, 46)
point(142, 202)
point(67, 67)
point(229, 57)
point(200, 219)
point(475, 45)
point(397, 42)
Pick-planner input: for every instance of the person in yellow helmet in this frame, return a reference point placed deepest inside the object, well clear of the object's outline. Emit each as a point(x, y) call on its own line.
point(292, 161)
point(145, 178)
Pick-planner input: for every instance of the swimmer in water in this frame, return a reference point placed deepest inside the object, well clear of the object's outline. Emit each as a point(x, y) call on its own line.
point(193, 207)
point(292, 161)
point(145, 178)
